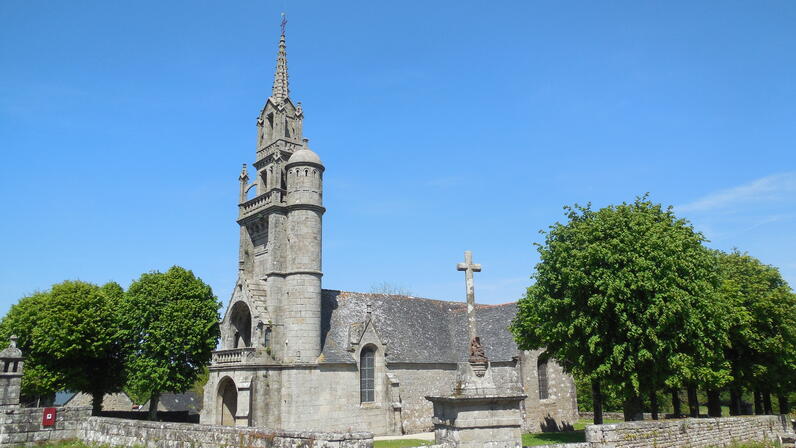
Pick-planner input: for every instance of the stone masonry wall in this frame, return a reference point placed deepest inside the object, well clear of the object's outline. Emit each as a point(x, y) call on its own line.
point(690, 433)
point(118, 432)
point(22, 426)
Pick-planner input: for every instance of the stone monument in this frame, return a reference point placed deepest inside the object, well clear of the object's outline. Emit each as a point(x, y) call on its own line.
point(477, 413)
point(10, 374)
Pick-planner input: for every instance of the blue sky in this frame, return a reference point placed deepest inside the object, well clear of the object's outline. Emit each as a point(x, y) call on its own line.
point(444, 126)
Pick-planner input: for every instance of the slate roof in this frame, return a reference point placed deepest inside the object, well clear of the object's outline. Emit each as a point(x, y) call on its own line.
point(415, 330)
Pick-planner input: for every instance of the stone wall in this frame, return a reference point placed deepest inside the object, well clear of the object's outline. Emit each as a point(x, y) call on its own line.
point(617, 415)
point(117, 432)
point(559, 411)
point(22, 426)
point(690, 433)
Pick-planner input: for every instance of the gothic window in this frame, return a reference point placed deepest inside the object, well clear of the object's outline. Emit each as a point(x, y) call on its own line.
point(366, 375)
point(541, 373)
point(287, 128)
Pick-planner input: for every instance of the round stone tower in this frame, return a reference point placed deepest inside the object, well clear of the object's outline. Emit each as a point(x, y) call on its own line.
point(302, 317)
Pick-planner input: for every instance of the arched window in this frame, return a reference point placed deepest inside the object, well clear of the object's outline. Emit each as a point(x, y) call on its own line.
point(541, 374)
point(366, 391)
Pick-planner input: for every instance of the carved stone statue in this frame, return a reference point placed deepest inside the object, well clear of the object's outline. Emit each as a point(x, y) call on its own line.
point(477, 353)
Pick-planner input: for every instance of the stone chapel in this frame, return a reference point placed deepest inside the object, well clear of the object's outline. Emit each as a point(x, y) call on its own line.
point(295, 356)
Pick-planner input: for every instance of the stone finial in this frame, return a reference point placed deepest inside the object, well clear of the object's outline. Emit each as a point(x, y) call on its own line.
point(244, 174)
point(12, 351)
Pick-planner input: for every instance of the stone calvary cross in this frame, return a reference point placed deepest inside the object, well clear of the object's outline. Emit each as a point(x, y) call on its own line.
point(476, 350)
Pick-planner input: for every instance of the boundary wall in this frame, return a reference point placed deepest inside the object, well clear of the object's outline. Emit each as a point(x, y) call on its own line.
point(690, 432)
point(23, 426)
point(118, 432)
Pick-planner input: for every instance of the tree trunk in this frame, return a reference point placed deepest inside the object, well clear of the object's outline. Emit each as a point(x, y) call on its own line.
point(758, 403)
point(693, 401)
point(597, 398)
point(632, 407)
point(735, 400)
point(767, 407)
point(676, 405)
point(654, 404)
point(153, 406)
point(714, 403)
point(96, 402)
point(784, 406)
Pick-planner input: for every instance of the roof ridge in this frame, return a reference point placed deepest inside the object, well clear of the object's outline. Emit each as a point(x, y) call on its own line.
point(401, 296)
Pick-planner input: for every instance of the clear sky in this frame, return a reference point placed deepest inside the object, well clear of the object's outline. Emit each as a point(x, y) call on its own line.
point(444, 126)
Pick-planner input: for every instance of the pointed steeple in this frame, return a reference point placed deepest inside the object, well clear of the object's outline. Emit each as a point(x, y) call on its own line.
point(280, 90)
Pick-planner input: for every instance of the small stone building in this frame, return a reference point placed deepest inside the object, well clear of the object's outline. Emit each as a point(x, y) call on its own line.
point(296, 357)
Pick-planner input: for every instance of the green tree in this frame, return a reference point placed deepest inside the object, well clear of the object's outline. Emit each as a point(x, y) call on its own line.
point(38, 380)
point(625, 296)
point(170, 323)
point(69, 337)
point(762, 347)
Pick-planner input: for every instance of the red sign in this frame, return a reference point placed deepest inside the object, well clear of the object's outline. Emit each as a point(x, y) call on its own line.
point(48, 418)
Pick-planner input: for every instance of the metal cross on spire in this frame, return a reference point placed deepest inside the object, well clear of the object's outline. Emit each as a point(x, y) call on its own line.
point(284, 23)
point(476, 351)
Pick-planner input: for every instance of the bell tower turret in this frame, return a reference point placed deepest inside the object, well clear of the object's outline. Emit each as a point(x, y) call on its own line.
point(303, 282)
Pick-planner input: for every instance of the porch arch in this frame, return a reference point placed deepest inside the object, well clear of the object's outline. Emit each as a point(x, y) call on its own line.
point(241, 321)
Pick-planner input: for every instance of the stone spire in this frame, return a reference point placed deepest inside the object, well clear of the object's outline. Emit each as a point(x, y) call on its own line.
point(280, 90)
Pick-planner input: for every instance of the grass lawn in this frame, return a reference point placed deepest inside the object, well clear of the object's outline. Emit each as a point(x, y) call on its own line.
point(400, 443)
point(547, 438)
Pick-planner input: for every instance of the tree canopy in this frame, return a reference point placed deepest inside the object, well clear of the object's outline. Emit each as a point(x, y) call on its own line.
point(170, 324)
point(762, 331)
point(627, 295)
point(69, 337)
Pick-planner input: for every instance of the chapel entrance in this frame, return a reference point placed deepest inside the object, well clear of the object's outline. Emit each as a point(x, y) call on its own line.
point(228, 400)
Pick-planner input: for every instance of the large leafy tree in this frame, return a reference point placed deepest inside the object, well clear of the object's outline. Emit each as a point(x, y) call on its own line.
point(625, 296)
point(170, 323)
point(69, 337)
point(38, 380)
point(762, 347)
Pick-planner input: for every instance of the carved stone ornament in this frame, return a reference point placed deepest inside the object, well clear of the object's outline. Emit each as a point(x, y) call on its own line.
point(477, 351)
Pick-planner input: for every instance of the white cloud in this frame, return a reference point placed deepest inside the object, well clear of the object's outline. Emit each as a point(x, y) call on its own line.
point(774, 187)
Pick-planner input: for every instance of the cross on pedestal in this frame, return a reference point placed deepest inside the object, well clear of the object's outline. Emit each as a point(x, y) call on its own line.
point(476, 351)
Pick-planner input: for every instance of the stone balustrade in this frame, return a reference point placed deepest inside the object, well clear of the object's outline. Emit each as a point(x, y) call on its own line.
point(252, 206)
point(235, 355)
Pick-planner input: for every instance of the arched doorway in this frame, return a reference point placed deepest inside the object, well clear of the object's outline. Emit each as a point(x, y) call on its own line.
point(241, 320)
point(228, 401)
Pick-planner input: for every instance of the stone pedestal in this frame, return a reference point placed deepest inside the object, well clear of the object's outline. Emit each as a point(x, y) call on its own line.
point(477, 414)
point(11, 364)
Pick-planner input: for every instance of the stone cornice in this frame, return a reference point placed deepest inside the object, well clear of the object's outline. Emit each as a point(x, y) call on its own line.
point(316, 208)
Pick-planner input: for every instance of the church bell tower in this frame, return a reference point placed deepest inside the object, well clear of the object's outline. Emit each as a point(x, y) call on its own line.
point(280, 218)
